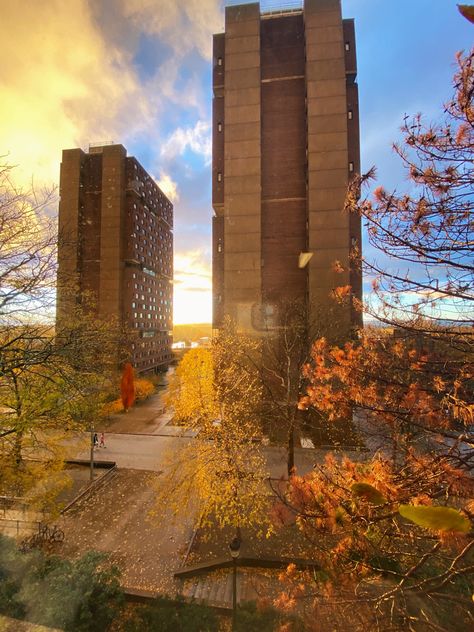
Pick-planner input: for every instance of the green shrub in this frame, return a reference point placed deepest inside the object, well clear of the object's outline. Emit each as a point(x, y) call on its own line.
point(79, 596)
point(167, 615)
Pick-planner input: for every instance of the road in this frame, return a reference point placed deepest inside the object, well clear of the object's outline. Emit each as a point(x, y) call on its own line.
point(136, 451)
point(143, 438)
point(149, 452)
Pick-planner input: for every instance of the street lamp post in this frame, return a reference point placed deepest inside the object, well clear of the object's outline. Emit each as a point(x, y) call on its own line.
point(92, 453)
point(234, 548)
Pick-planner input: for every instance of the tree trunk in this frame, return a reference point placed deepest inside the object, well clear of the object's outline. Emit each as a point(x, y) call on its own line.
point(291, 451)
point(17, 448)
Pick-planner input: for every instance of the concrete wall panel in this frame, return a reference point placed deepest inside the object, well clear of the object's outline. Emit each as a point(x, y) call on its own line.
point(242, 184)
point(332, 88)
point(327, 178)
point(243, 78)
point(324, 69)
point(242, 204)
point(247, 96)
point(242, 224)
point(243, 114)
point(242, 261)
point(237, 61)
point(333, 122)
point(242, 166)
point(242, 242)
point(328, 104)
point(243, 44)
point(326, 141)
point(326, 200)
point(329, 160)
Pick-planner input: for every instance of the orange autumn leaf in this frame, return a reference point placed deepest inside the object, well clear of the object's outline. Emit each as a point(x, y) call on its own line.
point(341, 293)
point(467, 11)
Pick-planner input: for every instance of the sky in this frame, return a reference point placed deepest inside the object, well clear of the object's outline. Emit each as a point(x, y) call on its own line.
point(138, 72)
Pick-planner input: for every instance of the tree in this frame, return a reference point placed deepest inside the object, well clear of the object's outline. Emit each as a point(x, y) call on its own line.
point(50, 381)
point(393, 533)
point(28, 248)
point(285, 350)
point(191, 388)
point(80, 596)
point(424, 280)
point(262, 617)
point(218, 395)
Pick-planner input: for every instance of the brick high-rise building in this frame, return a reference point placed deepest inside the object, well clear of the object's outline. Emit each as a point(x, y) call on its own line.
point(285, 145)
point(116, 244)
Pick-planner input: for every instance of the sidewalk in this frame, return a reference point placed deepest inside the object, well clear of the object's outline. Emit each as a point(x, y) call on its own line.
point(148, 417)
point(122, 520)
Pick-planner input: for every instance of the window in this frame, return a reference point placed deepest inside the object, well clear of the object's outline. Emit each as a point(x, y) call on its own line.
point(219, 127)
point(350, 115)
point(219, 176)
point(347, 46)
point(219, 61)
point(219, 246)
point(351, 166)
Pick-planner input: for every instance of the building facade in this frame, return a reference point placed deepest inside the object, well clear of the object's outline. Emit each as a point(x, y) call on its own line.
point(116, 245)
point(285, 145)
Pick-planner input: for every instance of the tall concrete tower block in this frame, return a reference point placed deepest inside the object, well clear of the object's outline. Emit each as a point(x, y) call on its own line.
point(115, 252)
point(285, 146)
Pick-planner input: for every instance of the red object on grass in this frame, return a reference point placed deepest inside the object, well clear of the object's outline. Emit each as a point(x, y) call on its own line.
point(127, 387)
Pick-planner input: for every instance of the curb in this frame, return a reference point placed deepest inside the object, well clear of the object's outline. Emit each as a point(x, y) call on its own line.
point(243, 562)
point(191, 542)
point(147, 597)
point(99, 464)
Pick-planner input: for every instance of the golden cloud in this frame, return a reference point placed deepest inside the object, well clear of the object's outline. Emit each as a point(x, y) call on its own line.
point(62, 85)
point(193, 289)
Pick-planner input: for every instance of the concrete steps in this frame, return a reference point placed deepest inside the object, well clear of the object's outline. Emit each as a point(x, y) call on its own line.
point(215, 589)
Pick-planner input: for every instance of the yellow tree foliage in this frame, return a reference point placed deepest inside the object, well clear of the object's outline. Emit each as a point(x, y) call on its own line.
point(191, 389)
point(221, 473)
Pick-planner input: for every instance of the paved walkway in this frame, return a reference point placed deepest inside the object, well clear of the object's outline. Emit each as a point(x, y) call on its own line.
point(117, 519)
point(148, 417)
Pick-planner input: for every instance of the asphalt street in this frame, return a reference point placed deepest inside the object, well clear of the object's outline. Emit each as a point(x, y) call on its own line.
point(150, 452)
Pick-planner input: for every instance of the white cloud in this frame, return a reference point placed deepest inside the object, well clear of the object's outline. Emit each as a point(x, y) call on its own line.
point(183, 25)
point(197, 139)
point(168, 186)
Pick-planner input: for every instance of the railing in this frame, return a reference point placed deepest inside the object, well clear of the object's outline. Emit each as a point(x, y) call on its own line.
point(14, 528)
point(102, 144)
point(270, 6)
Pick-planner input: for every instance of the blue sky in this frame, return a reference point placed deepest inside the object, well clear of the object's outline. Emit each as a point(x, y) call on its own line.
point(138, 72)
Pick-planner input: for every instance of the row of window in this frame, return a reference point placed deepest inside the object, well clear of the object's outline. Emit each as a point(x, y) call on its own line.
point(347, 47)
point(219, 177)
point(151, 186)
point(350, 115)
